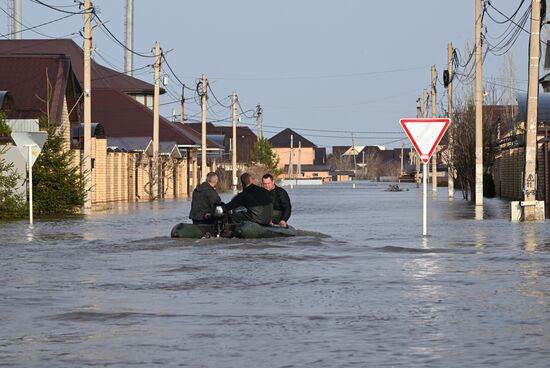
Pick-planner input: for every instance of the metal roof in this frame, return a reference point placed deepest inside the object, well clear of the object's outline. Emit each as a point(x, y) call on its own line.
point(543, 110)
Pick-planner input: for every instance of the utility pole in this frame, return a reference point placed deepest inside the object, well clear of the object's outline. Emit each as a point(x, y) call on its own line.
point(530, 177)
point(290, 168)
point(129, 33)
point(259, 112)
point(354, 151)
point(479, 109)
point(204, 84)
point(87, 159)
point(451, 179)
point(234, 140)
point(401, 171)
point(434, 113)
point(17, 19)
point(155, 188)
point(182, 106)
point(417, 158)
point(425, 168)
point(299, 169)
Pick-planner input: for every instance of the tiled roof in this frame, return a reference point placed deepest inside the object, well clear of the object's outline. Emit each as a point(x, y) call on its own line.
point(102, 77)
point(122, 116)
point(27, 79)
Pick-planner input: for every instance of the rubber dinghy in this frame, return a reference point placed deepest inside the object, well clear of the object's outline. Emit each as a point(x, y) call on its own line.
point(244, 230)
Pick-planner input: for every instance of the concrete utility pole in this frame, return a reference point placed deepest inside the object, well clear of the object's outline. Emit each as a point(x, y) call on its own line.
point(479, 109)
point(451, 180)
point(155, 189)
point(354, 151)
point(417, 158)
point(290, 163)
point(87, 159)
point(401, 171)
point(128, 56)
point(204, 84)
point(182, 106)
point(259, 112)
point(17, 19)
point(530, 177)
point(434, 115)
point(299, 169)
point(234, 140)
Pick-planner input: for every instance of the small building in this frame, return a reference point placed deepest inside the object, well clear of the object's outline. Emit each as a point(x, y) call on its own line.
point(288, 141)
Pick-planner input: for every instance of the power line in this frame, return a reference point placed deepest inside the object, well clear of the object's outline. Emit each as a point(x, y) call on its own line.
point(333, 76)
point(57, 8)
point(108, 32)
point(37, 26)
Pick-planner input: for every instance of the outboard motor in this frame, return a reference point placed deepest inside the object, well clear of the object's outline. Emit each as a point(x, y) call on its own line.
point(218, 216)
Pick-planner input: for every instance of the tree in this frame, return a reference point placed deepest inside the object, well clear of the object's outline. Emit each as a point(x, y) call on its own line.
point(263, 154)
point(12, 203)
point(57, 182)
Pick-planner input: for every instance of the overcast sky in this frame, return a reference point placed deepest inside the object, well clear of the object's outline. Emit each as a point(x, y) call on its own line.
point(348, 65)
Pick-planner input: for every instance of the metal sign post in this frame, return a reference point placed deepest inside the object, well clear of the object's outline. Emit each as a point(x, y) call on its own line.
point(425, 200)
point(425, 135)
point(30, 163)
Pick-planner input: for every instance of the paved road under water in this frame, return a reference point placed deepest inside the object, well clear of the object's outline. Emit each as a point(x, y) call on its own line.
point(114, 289)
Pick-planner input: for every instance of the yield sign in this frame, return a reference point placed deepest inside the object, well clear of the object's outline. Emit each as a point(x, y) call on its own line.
point(425, 134)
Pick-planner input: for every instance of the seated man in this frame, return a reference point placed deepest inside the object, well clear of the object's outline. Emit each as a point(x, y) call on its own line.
point(255, 199)
point(281, 202)
point(205, 198)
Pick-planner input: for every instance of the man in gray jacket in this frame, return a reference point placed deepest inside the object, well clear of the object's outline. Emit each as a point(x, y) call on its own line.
point(205, 199)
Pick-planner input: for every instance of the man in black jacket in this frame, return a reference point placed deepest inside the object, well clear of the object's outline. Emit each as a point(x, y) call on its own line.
point(255, 199)
point(281, 201)
point(205, 198)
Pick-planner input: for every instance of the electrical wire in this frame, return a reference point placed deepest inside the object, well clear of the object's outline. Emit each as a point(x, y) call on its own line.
point(36, 26)
point(108, 32)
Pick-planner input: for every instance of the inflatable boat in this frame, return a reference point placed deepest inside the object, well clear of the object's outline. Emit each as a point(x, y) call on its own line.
point(244, 230)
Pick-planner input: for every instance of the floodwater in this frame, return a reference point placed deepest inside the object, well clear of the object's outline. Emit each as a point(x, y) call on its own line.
point(113, 289)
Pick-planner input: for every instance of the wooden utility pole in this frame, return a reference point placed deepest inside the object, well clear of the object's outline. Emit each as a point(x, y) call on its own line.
point(479, 109)
point(530, 177)
point(182, 106)
point(259, 111)
point(204, 84)
point(87, 159)
point(155, 188)
point(451, 179)
point(434, 115)
point(234, 140)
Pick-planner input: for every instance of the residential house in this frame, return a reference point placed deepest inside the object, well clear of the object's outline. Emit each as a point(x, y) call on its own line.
point(308, 160)
point(120, 103)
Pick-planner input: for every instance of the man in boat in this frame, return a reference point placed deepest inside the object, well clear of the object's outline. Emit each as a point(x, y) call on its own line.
point(256, 200)
point(205, 199)
point(281, 201)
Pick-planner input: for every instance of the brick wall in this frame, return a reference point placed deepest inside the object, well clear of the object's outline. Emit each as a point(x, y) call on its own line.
point(508, 173)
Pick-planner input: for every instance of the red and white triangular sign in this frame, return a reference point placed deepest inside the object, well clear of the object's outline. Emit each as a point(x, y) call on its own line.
point(425, 134)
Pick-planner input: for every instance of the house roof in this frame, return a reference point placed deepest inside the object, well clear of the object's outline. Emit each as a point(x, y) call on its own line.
point(27, 79)
point(102, 77)
point(308, 168)
point(122, 116)
point(282, 139)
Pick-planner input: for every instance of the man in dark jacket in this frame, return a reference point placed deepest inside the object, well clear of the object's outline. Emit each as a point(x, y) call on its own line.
point(205, 198)
point(255, 199)
point(281, 201)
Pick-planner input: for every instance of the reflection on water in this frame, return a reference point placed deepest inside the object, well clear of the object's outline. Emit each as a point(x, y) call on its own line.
point(113, 289)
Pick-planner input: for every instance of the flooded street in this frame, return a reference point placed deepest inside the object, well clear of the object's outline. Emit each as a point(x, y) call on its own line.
point(113, 289)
